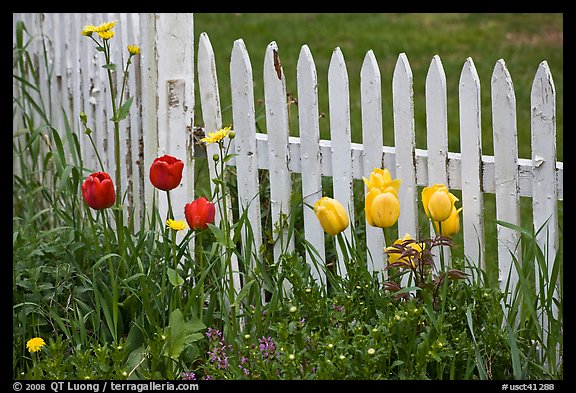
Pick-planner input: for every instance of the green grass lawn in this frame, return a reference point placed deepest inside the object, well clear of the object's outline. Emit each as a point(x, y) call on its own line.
point(522, 40)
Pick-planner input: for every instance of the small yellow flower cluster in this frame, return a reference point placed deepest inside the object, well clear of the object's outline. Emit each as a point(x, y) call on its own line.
point(216, 137)
point(104, 30)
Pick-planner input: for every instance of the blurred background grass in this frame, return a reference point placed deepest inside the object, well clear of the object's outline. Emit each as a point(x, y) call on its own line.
point(523, 40)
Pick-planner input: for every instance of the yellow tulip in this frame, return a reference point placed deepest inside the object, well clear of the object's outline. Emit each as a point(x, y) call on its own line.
point(395, 257)
point(451, 226)
point(438, 202)
point(332, 215)
point(382, 208)
point(381, 178)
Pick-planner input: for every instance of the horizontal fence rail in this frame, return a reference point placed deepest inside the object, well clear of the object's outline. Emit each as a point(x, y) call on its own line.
point(161, 121)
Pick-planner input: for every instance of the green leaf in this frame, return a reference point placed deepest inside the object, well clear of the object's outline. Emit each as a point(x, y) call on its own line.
point(111, 66)
point(229, 157)
point(243, 293)
point(123, 110)
point(182, 333)
point(177, 337)
point(219, 235)
point(175, 278)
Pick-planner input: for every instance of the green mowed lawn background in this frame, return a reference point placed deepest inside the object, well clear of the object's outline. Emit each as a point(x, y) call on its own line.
point(522, 40)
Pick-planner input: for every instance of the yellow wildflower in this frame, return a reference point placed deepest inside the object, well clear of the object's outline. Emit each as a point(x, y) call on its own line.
point(177, 225)
point(216, 137)
point(106, 26)
point(35, 344)
point(133, 50)
point(88, 30)
point(106, 35)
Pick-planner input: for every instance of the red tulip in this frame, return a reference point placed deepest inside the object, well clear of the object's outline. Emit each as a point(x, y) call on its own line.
point(166, 172)
point(98, 191)
point(199, 213)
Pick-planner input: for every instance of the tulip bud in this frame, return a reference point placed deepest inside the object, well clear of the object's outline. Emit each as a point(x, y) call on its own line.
point(438, 202)
point(98, 191)
point(199, 213)
point(385, 210)
point(332, 215)
point(382, 208)
point(166, 172)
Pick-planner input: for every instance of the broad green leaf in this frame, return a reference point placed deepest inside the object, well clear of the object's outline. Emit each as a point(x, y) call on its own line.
point(175, 278)
point(177, 337)
point(124, 110)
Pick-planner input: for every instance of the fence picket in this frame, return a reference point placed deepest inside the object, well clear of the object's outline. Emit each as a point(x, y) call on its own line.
point(210, 101)
point(506, 174)
point(437, 133)
point(175, 101)
point(86, 54)
point(544, 205)
point(277, 130)
point(371, 99)
point(339, 106)
point(134, 128)
point(242, 88)
point(149, 90)
point(405, 141)
point(471, 163)
point(310, 157)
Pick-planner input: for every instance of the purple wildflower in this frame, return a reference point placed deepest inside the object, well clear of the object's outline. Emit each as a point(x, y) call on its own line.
point(188, 376)
point(267, 347)
point(337, 307)
point(213, 334)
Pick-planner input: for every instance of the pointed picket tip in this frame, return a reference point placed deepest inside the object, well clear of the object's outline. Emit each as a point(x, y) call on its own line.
point(306, 65)
point(543, 74)
point(272, 63)
point(370, 64)
point(204, 40)
point(205, 51)
point(337, 67)
point(502, 75)
point(436, 68)
point(337, 55)
point(436, 71)
point(305, 54)
point(240, 53)
point(402, 66)
point(469, 73)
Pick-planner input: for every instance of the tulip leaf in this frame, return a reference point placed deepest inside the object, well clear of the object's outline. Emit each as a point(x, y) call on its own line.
point(219, 235)
point(243, 293)
point(175, 278)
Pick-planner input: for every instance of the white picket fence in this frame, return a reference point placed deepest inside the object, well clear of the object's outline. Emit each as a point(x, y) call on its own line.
point(161, 121)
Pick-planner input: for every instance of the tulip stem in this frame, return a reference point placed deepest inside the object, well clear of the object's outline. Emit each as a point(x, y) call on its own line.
point(441, 248)
point(170, 216)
